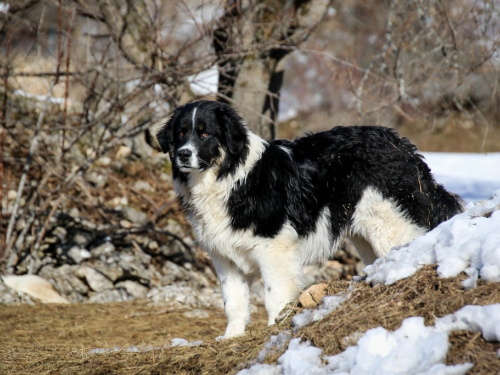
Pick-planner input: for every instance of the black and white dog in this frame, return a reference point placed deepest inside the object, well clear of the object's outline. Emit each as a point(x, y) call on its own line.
point(269, 208)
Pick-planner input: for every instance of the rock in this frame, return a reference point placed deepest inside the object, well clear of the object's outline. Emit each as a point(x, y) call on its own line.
point(117, 202)
point(8, 296)
point(78, 254)
point(104, 161)
point(132, 267)
point(123, 152)
point(184, 296)
point(97, 179)
point(109, 269)
point(133, 288)
point(107, 248)
point(90, 153)
point(11, 195)
point(65, 279)
point(60, 233)
point(82, 238)
point(115, 295)
point(74, 212)
point(144, 186)
point(96, 280)
point(312, 296)
point(126, 224)
point(34, 286)
point(133, 215)
point(172, 272)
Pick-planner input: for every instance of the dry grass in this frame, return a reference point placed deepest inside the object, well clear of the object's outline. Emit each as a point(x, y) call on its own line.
point(46, 339)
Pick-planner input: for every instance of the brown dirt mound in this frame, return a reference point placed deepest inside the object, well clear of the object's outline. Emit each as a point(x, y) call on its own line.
point(46, 339)
point(424, 294)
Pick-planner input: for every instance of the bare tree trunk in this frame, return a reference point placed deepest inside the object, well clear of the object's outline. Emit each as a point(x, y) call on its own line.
point(252, 39)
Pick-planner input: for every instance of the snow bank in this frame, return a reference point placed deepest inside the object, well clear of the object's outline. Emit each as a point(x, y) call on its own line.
point(473, 176)
point(411, 349)
point(468, 242)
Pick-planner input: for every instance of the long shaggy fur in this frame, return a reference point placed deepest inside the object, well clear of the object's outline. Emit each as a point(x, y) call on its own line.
point(268, 208)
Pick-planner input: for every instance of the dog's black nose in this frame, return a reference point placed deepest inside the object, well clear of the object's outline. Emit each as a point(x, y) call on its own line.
point(184, 154)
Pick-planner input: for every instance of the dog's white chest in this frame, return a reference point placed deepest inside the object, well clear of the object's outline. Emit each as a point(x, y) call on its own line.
point(212, 224)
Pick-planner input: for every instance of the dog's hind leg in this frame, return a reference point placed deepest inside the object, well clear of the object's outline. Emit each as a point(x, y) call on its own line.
point(382, 223)
point(236, 295)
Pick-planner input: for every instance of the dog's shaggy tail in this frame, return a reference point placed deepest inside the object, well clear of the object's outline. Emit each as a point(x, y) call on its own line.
point(445, 206)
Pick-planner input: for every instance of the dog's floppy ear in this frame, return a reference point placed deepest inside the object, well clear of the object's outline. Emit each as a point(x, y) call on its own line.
point(165, 136)
point(235, 131)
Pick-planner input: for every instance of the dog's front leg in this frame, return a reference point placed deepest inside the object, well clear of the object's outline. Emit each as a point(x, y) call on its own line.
point(236, 295)
point(282, 275)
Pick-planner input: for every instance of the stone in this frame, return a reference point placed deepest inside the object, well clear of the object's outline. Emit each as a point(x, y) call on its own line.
point(184, 296)
point(11, 195)
point(110, 269)
point(115, 295)
point(97, 179)
point(82, 238)
point(123, 152)
point(126, 224)
point(133, 288)
point(60, 233)
point(134, 268)
point(117, 202)
point(96, 280)
point(103, 161)
point(34, 286)
point(106, 248)
point(133, 215)
point(78, 254)
point(65, 279)
point(312, 296)
point(143, 186)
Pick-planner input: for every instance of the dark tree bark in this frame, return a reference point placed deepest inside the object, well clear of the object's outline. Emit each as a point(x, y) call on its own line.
point(251, 41)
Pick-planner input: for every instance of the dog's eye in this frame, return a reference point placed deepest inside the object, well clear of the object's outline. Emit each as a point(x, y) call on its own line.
point(205, 135)
point(181, 134)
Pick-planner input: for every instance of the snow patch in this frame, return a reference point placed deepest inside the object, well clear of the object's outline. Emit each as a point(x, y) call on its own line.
point(468, 242)
point(411, 349)
point(330, 303)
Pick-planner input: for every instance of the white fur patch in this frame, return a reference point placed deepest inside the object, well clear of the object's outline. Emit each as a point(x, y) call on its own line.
point(382, 223)
point(317, 247)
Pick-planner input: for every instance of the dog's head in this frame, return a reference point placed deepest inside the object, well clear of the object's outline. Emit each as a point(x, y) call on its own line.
point(200, 134)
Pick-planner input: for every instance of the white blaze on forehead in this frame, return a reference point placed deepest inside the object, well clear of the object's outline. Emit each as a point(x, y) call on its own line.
point(194, 115)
